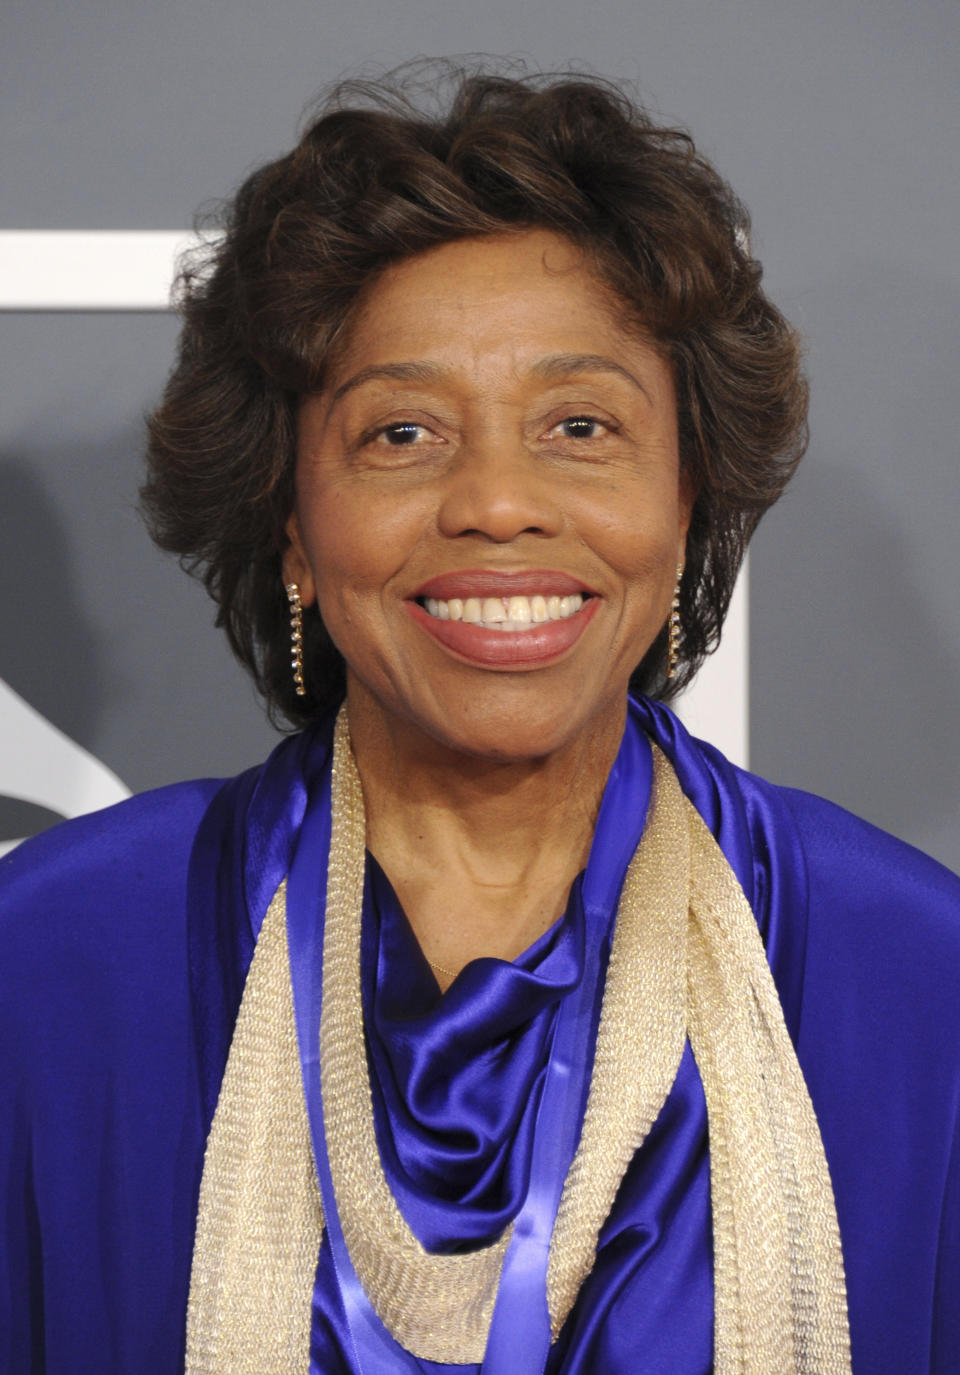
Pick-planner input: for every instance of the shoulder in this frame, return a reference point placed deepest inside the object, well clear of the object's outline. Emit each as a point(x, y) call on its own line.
point(847, 880)
point(889, 890)
point(863, 883)
point(117, 844)
point(882, 942)
point(101, 880)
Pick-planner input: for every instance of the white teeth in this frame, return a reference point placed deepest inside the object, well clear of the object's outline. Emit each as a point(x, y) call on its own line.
point(505, 613)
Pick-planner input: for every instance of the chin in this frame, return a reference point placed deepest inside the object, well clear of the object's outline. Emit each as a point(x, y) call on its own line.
point(514, 727)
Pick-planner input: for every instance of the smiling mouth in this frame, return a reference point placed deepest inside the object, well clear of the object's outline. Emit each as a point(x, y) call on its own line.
point(518, 631)
point(518, 614)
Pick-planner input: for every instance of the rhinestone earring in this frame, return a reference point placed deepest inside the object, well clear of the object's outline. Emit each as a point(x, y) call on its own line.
point(296, 637)
point(673, 634)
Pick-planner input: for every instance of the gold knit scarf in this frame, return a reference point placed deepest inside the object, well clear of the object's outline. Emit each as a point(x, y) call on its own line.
point(686, 961)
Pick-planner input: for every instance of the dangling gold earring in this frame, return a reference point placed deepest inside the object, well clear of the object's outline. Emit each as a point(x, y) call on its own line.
point(673, 633)
point(296, 637)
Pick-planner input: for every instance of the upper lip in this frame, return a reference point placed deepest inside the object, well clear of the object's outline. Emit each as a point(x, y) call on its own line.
point(487, 582)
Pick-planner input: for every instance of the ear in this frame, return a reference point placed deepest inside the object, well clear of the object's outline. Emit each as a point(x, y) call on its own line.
point(294, 563)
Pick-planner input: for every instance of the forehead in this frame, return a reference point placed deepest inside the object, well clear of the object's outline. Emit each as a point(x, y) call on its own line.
point(499, 297)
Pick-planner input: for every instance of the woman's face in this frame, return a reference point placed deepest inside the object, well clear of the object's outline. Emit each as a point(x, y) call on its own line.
point(489, 506)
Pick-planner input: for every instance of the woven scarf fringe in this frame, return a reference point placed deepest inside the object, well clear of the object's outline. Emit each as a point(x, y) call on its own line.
point(687, 959)
point(780, 1292)
point(260, 1221)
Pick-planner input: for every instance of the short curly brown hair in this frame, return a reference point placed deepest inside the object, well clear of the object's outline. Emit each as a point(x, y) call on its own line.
point(379, 177)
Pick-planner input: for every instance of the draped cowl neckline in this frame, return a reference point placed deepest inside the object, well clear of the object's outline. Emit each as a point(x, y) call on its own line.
point(456, 1077)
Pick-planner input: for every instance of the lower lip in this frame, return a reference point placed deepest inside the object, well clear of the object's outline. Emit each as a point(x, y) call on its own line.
point(507, 648)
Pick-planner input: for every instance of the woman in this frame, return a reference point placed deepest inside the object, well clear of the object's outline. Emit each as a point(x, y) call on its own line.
point(479, 1028)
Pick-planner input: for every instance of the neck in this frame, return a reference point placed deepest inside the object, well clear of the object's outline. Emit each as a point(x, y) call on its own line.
point(480, 852)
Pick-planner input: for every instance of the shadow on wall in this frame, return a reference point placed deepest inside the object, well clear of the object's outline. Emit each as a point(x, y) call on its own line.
point(50, 654)
point(855, 647)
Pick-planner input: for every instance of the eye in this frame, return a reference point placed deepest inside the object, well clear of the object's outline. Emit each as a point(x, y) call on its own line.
point(404, 432)
point(401, 443)
point(580, 427)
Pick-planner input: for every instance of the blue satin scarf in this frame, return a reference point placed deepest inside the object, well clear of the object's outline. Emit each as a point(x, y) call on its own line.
point(457, 1079)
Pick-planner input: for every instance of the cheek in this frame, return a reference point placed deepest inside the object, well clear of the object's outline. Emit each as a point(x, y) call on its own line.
point(357, 539)
point(641, 541)
point(348, 577)
point(347, 589)
point(332, 526)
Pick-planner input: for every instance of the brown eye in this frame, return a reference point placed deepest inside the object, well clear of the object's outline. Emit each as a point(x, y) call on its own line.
point(580, 427)
point(404, 433)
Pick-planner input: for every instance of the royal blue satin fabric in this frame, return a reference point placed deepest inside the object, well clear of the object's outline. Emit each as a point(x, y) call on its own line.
point(124, 941)
point(456, 1080)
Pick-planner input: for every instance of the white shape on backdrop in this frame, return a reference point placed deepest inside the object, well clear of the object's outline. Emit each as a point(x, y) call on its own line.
point(716, 706)
point(102, 269)
point(40, 764)
point(61, 270)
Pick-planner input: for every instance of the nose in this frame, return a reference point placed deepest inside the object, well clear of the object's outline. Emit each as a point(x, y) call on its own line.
point(497, 490)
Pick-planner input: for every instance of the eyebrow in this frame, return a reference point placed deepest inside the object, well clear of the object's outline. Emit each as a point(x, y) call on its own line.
point(557, 365)
point(563, 364)
point(397, 372)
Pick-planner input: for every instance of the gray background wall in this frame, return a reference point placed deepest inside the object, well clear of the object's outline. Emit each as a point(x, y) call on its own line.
point(837, 122)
